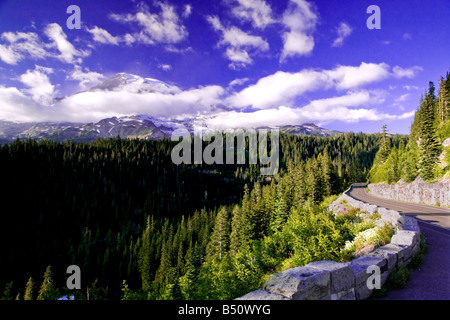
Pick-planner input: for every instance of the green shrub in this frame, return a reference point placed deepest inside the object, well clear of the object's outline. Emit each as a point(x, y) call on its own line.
point(398, 278)
point(313, 235)
point(417, 260)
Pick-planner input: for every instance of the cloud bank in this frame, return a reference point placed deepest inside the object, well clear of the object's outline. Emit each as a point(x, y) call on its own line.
point(273, 98)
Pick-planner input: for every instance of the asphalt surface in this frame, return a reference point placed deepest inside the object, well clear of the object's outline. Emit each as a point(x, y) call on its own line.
point(432, 280)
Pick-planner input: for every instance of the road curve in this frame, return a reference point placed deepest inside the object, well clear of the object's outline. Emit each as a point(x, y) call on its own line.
point(432, 280)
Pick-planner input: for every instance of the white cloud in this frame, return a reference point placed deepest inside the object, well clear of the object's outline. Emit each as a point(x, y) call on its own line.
point(165, 67)
point(300, 18)
point(238, 43)
point(40, 88)
point(103, 36)
point(343, 31)
point(171, 48)
point(239, 58)
point(258, 12)
point(129, 39)
point(296, 43)
point(187, 11)
point(276, 97)
point(93, 106)
point(329, 109)
point(87, 79)
point(350, 108)
point(351, 99)
point(400, 72)
point(402, 98)
point(238, 38)
point(407, 36)
point(66, 49)
point(281, 88)
point(277, 89)
point(162, 27)
point(30, 104)
point(8, 55)
point(408, 87)
point(21, 45)
point(271, 117)
point(238, 82)
point(407, 115)
point(15, 106)
point(347, 77)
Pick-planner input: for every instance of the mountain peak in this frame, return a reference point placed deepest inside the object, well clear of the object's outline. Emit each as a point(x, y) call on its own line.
point(310, 124)
point(132, 83)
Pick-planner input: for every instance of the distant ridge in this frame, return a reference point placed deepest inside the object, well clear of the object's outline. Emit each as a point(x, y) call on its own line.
point(137, 126)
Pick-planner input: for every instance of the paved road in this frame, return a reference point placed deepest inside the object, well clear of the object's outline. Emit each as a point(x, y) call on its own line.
point(432, 280)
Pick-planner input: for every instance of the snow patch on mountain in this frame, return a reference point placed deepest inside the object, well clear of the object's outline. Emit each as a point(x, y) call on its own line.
point(135, 84)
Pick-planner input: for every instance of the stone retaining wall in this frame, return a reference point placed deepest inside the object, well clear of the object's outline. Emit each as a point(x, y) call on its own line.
point(418, 191)
point(329, 280)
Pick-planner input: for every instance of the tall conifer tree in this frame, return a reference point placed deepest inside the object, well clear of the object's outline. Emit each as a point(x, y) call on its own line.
point(428, 142)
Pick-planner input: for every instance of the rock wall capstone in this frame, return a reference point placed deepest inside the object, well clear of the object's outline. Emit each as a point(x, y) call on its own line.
point(329, 280)
point(418, 191)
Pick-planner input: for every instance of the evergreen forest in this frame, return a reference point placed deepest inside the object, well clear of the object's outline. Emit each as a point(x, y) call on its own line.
point(140, 227)
point(424, 154)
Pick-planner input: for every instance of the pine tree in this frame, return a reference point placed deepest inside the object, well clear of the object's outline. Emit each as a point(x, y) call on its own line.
point(239, 234)
point(385, 147)
point(429, 145)
point(256, 215)
point(144, 256)
point(300, 192)
point(327, 173)
point(447, 97)
point(314, 181)
point(442, 102)
point(29, 289)
point(220, 238)
point(280, 214)
point(409, 170)
point(393, 160)
point(7, 293)
point(47, 290)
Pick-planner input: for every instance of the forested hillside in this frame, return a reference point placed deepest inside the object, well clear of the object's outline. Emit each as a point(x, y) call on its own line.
point(141, 227)
point(423, 154)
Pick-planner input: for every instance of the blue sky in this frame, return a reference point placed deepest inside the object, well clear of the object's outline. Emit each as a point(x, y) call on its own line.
point(248, 62)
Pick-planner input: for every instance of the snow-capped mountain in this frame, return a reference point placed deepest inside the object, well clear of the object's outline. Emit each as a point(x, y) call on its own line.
point(125, 127)
point(139, 126)
point(309, 129)
point(135, 84)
